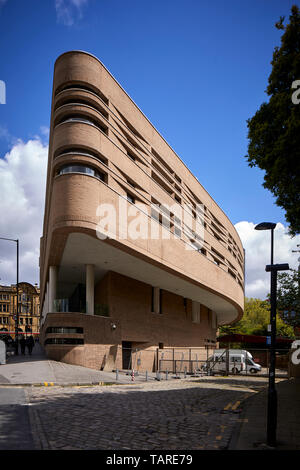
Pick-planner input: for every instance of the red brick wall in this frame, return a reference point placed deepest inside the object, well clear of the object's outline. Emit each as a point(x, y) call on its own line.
point(129, 304)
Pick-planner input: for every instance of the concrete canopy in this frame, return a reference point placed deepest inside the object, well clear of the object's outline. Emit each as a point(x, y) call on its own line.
point(82, 249)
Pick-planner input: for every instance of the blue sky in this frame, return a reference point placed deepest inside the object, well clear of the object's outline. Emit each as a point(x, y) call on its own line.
point(197, 69)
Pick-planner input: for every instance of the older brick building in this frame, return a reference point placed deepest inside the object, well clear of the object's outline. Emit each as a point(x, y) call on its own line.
point(29, 310)
point(171, 269)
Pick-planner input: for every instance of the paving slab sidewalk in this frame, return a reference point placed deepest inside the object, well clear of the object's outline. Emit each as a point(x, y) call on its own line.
point(38, 369)
point(252, 432)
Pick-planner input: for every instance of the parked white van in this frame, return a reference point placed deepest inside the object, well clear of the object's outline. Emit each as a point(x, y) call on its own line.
point(252, 366)
point(247, 354)
point(239, 361)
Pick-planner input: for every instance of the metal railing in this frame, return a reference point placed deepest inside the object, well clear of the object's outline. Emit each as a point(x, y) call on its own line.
point(157, 365)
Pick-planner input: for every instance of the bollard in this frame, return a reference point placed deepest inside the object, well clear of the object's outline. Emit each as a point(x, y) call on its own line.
point(185, 372)
point(167, 374)
point(146, 376)
point(132, 375)
point(117, 375)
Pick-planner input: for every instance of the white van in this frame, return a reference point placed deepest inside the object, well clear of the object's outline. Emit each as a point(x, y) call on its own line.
point(239, 360)
point(247, 354)
point(217, 362)
point(252, 366)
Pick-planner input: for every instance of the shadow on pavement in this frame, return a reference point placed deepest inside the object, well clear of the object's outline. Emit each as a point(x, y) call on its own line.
point(122, 418)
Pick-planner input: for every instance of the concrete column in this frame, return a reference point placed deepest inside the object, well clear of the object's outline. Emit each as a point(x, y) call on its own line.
point(195, 312)
point(52, 287)
point(47, 298)
point(90, 288)
point(156, 300)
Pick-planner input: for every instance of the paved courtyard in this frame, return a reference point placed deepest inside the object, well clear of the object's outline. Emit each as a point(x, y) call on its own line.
point(182, 414)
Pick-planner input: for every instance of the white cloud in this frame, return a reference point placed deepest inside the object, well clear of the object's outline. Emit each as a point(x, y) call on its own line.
point(69, 11)
point(258, 254)
point(22, 191)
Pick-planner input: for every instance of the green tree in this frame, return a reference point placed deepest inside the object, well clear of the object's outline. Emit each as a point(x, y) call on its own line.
point(274, 131)
point(255, 321)
point(288, 297)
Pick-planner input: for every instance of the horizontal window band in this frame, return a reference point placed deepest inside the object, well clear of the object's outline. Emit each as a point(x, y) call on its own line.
point(64, 341)
point(82, 169)
point(81, 119)
point(82, 154)
point(83, 87)
point(83, 103)
point(64, 329)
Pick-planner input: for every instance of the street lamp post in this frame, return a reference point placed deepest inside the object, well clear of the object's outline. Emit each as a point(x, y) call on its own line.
point(272, 393)
point(17, 322)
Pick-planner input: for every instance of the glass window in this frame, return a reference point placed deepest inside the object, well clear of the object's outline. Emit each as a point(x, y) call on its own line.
point(64, 341)
point(62, 329)
point(79, 118)
point(87, 170)
point(84, 119)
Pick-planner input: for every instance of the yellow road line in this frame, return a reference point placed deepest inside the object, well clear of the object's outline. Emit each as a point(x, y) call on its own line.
point(236, 405)
point(227, 406)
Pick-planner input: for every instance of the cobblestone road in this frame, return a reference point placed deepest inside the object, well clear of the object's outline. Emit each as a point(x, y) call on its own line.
point(185, 414)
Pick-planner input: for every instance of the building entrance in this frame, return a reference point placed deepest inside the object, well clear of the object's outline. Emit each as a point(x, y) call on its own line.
point(126, 354)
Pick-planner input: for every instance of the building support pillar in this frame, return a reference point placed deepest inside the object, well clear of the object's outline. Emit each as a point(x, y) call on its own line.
point(52, 287)
point(90, 288)
point(47, 299)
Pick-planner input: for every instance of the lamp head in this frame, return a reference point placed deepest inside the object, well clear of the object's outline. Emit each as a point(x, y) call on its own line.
point(265, 226)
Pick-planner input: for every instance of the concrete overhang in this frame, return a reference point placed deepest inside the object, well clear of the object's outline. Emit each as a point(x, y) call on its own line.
point(82, 249)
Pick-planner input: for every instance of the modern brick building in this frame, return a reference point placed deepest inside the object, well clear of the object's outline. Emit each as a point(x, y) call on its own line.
point(110, 171)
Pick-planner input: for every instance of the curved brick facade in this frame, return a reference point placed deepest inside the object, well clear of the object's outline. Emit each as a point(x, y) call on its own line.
point(96, 128)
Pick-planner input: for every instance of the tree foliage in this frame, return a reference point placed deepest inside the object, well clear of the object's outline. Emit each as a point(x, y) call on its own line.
point(274, 131)
point(288, 297)
point(255, 321)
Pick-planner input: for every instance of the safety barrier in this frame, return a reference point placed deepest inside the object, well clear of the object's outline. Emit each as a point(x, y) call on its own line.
point(174, 363)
